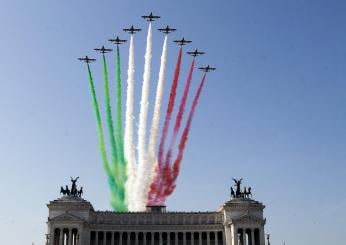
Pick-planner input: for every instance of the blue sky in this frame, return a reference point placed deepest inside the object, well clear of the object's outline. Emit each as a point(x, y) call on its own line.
point(273, 112)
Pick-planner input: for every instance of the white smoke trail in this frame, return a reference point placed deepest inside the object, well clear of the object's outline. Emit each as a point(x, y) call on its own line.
point(143, 115)
point(128, 134)
point(151, 162)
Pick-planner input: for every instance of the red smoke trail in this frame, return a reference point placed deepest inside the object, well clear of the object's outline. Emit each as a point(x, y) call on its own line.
point(180, 114)
point(169, 175)
point(183, 139)
point(170, 107)
point(159, 169)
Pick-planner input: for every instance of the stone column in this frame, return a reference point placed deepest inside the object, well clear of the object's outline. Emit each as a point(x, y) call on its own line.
point(120, 238)
point(160, 238)
point(184, 238)
point(136, 238)
point(200, 238)
point(168, 238)
point(261, 236)
point(69, 241)
point(252, 237)
point(61, 237)
point(152, 238)
point(176, 238)
point(104, 237)
point(244, 236)
point(128, 238)
point(112, 238)
point(208, 238)
point(192, 238)
point(216, 241)
point(144, 238)
point(96, 237)
point(230, 236)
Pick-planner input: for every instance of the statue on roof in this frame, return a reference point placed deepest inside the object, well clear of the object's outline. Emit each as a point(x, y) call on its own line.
point(239, 193)
point(73, 191)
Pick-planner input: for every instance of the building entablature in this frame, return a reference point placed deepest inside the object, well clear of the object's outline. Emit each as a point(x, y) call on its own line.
point(168, 218)
point(156, 228)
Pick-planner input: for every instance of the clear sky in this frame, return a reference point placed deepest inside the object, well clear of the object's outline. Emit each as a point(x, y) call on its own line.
point(273, 112)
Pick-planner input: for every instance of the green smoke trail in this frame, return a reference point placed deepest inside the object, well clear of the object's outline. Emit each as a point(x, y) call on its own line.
point(116, 184)
point(109, 117)
point(118, 126)
point(99, 125)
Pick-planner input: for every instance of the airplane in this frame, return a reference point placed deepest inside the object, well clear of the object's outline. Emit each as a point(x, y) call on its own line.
point(117, 41)
point(195, 53)
point(207, 68)
point(132, 30)
point(103, 50)
point(167, 30)
point(182, 42)
point(150, 17)
point(87, 59)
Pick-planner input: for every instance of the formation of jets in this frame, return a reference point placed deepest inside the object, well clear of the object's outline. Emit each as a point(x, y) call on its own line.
point(182, 42)
point(207, 68)
point(87, 59)
point(133, 30)
point(151, 17)
point(195, 53)
point(167, 30)
point(103, 50)
point(117, 40)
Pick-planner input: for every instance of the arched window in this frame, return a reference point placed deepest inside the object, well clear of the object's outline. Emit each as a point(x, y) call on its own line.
point(156, 238)
point(140, 238)
point(257, 237)
point(74, 236)
point(124, 238)
point(220, 237)
point(116, 238)
point(56, 236)
point(148, 238)
point(132, 238)
point(188, 238)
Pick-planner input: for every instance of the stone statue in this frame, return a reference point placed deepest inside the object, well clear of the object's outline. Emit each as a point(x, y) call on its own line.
point(74, 191)
point(74, 186)
point(80, 192)
point(232, 193)
point(249, 194)
point(237, 184)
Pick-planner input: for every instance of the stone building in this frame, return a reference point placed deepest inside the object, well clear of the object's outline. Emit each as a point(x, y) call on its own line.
point(73, 221)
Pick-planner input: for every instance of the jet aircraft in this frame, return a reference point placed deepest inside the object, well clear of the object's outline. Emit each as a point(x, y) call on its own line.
point(150, 17)
point(167, 30)
point(103, 50)
point(182, 42)
point(87, 59)
point(195, 53)
point(117, 41)
point(132, 30)
point(207, 68)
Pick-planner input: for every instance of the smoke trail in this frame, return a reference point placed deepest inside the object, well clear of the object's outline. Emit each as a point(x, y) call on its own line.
point(154, 187)
point(116, 202)
point(110, 121)
point(168, 176)
point(142, 158)
point(116, 185)
point(170, 107)
point(101, 139)
point(184, 137)
point(150, 168)
point(118, 124)
point(180, 113)
point(128, 135)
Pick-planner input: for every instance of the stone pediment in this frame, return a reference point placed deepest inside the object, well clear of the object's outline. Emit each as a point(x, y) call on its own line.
point(66, 217)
